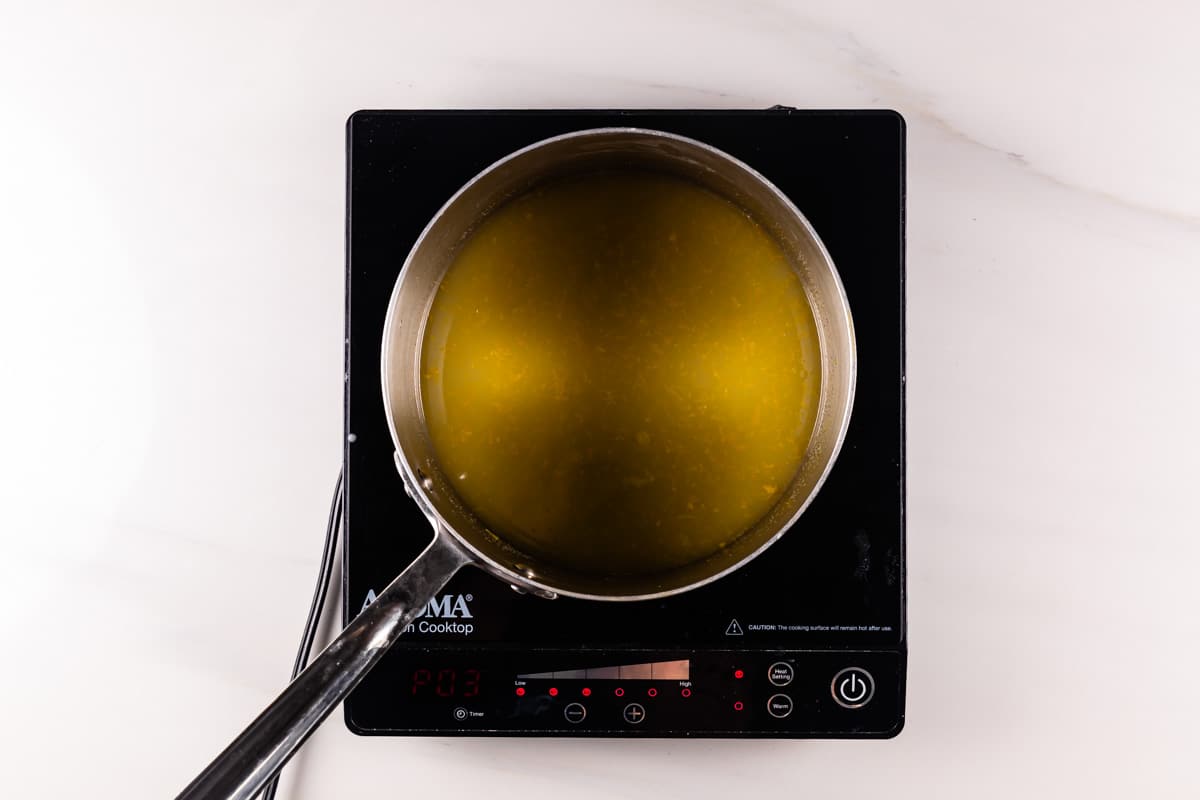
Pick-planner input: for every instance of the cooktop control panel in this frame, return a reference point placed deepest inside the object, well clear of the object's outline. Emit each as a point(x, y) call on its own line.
point(448, 692)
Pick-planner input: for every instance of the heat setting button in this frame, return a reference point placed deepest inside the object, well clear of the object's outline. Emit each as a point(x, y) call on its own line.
point(780, 673)
point(853, 687)
point(634, 713)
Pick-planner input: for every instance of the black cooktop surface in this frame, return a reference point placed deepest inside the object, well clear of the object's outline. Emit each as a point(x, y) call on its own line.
point(828, 596)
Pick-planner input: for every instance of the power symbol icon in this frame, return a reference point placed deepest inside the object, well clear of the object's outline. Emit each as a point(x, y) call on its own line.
point(853, 687)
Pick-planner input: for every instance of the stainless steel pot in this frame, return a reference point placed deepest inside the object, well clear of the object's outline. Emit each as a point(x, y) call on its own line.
point(459, 537)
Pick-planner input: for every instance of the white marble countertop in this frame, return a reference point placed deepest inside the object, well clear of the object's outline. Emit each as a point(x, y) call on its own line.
point(171, 234)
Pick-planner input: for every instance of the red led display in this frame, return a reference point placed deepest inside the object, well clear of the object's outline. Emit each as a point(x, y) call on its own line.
point(446, 682)
point(739, 674)
point(553, 692)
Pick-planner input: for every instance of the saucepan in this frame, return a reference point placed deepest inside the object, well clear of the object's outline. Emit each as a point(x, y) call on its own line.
point(459, 537)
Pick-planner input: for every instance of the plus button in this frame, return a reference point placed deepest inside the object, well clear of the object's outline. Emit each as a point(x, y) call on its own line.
point(634, 713)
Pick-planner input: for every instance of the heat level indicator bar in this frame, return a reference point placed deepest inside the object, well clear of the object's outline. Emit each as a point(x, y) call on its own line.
point(649, 671)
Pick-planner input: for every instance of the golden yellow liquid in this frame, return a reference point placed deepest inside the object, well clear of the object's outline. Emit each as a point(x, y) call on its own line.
point(620, 372)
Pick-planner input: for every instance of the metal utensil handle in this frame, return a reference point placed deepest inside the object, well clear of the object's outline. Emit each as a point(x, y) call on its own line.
point(261, 750)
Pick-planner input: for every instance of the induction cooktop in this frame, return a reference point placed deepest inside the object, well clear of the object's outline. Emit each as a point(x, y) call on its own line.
point(807, 640)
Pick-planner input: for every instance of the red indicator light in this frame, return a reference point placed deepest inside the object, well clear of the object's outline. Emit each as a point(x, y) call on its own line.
point(586, 692)
point(619, 692)
point(737, 673)
point(652, 692)
point(553, 692)
point(520, 691)
point(738, 706)
point(686, 693)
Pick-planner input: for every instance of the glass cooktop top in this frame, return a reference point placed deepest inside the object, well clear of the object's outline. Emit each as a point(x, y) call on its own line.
point(836, 578)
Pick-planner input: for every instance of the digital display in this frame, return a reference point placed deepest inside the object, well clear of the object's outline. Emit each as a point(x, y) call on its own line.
point(446, 682)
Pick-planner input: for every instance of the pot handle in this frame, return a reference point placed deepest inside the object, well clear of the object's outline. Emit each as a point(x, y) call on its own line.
point(262, 749)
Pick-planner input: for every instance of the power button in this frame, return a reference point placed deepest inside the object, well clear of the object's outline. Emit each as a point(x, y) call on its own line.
point(853, 687)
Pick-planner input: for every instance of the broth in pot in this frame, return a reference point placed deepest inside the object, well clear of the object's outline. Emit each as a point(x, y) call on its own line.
point(620, 371)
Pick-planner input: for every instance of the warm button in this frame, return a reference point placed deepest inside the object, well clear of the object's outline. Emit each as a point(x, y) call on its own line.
point(853, 687)
point(780, 673)
point(779, 706)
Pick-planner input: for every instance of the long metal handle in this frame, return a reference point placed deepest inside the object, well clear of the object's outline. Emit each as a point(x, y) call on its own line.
point(261, 750)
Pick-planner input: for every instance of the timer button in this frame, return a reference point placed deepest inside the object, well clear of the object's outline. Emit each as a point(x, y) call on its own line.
point(853, 687)
point(780, 673)
point(575, 713)
point(634, 713)
point(779, 706)
point(460, 713)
